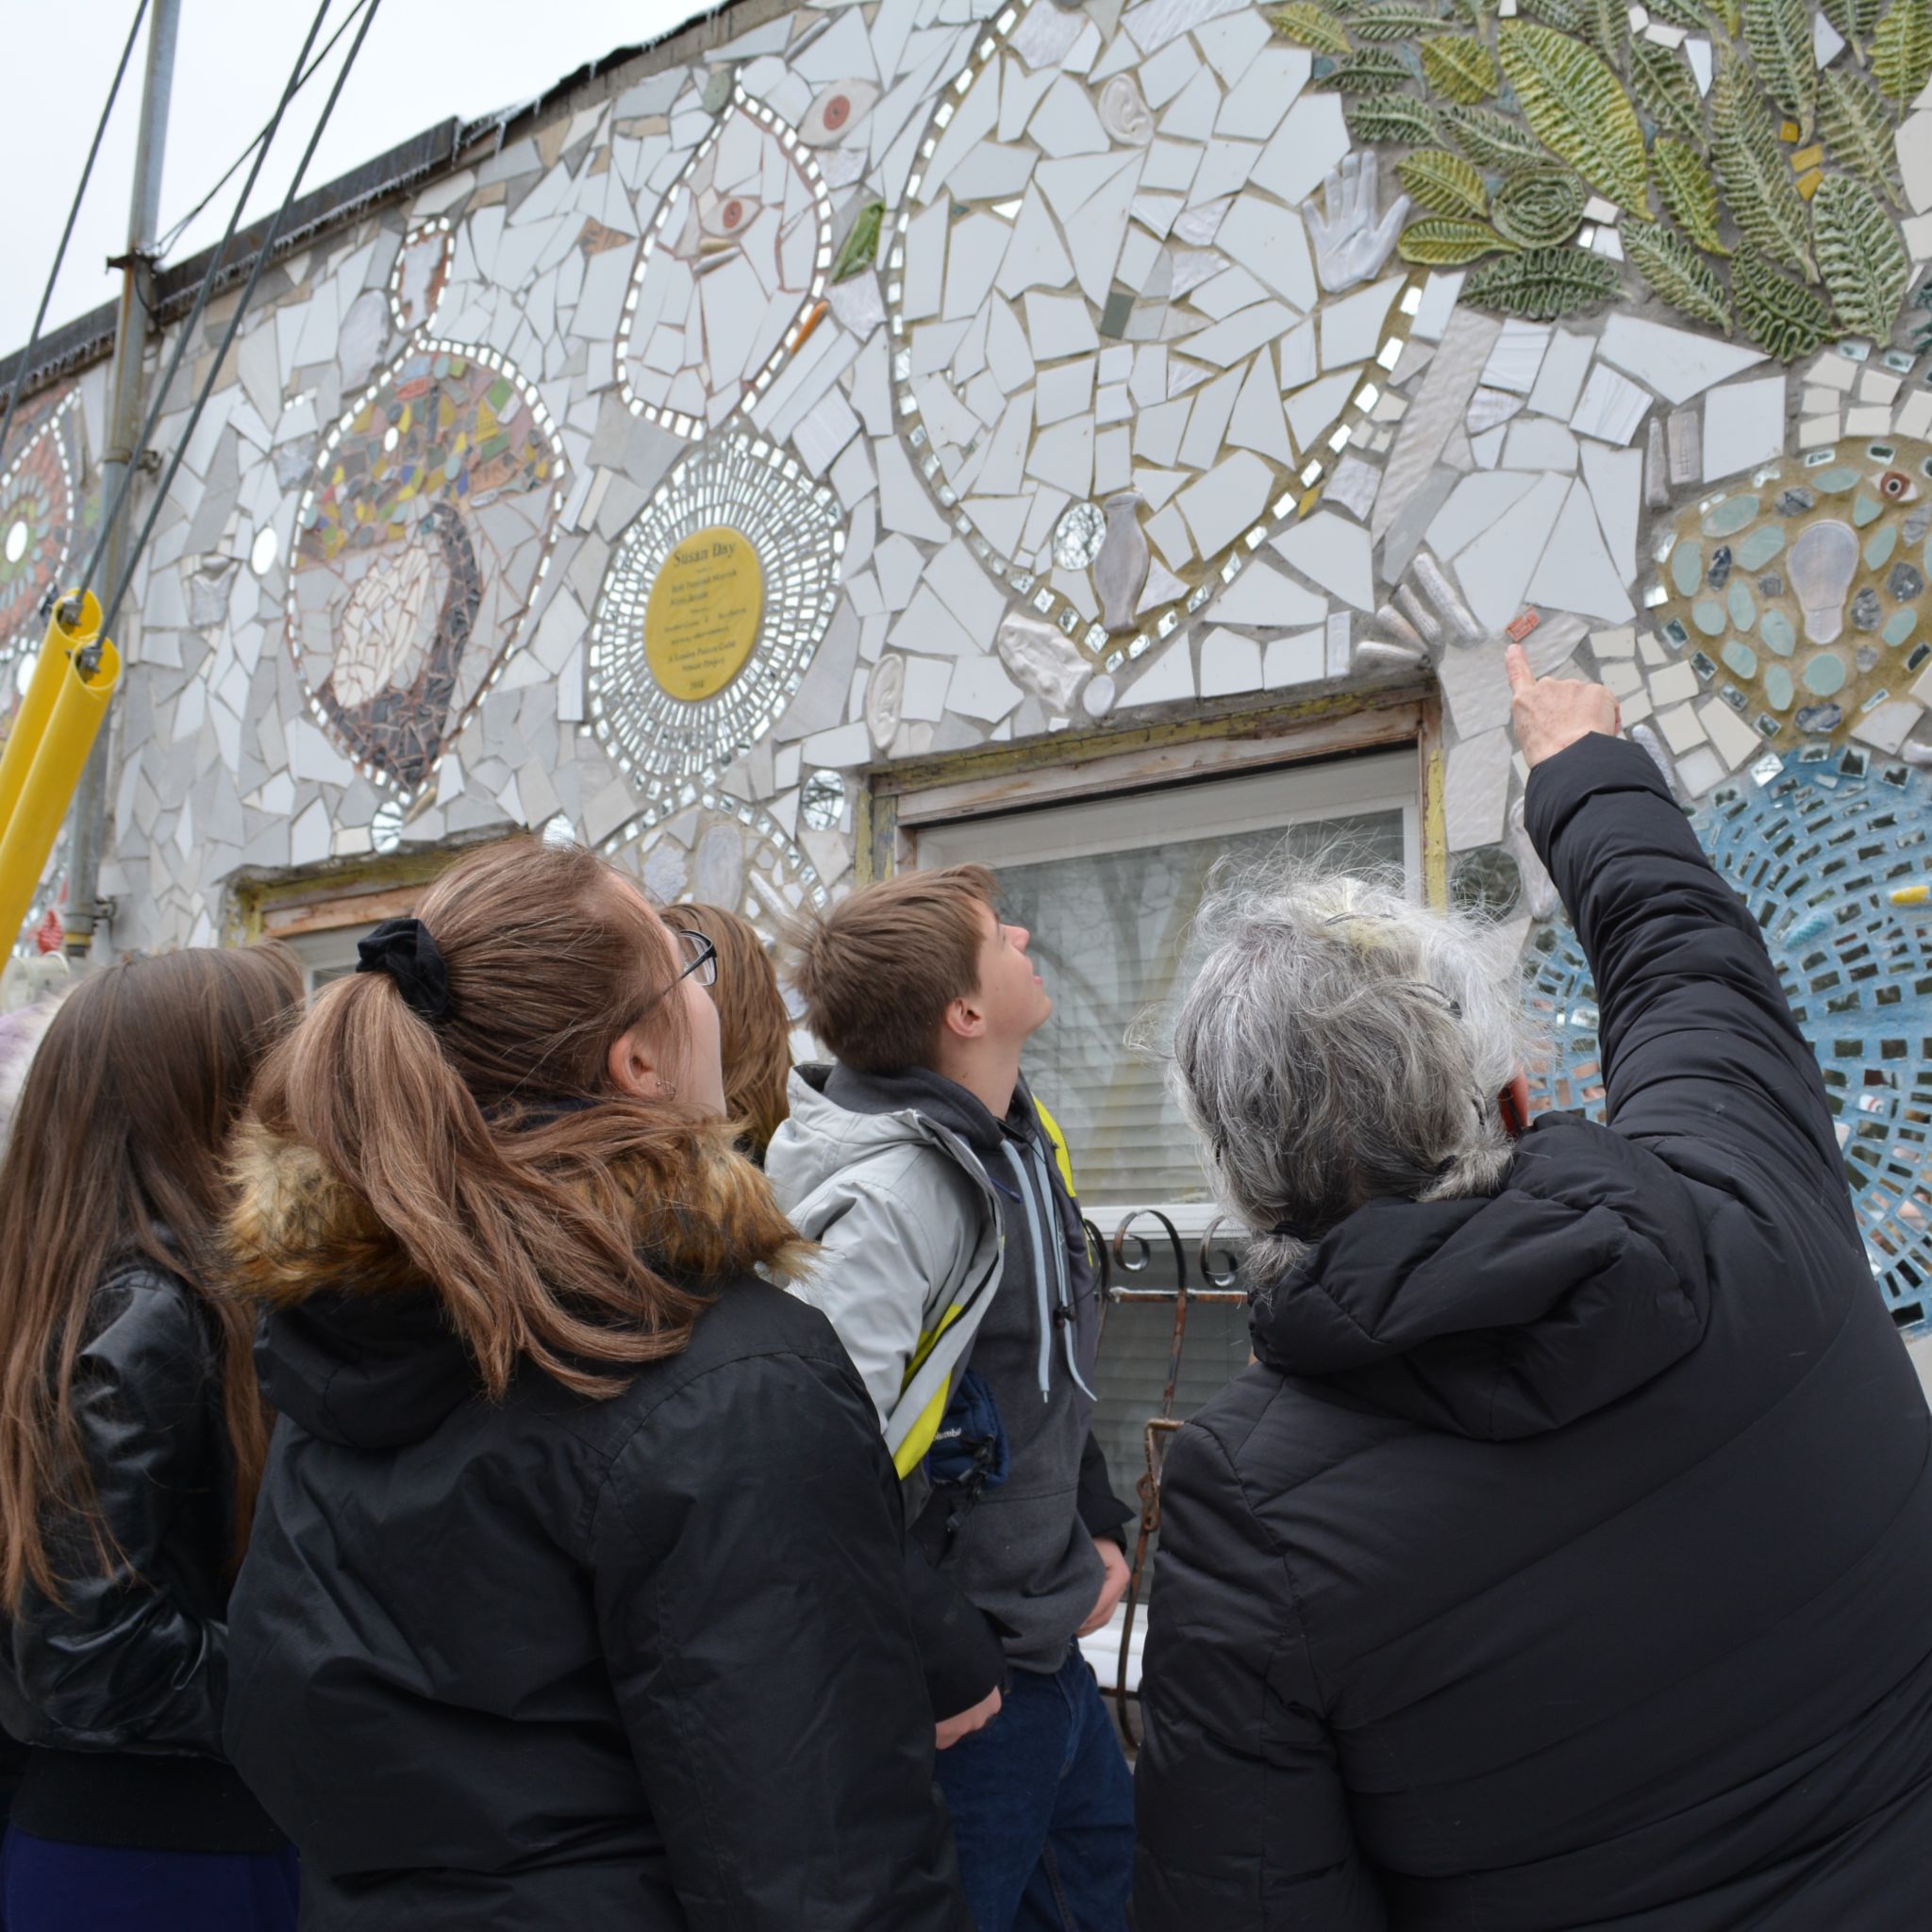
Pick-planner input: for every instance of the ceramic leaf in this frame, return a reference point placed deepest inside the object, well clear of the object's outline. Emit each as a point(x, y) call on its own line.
point(1375, 71)
point(1901, 49)
point(1565, 15)
point(1861, 255)
point(1756, 174)
point(1443, 183)
point(1459, 68)
point(1606, 26)
point(861, 248)
point(1683, 178)
point(1489, 139)
point(1676, 273)
point(1538, 208)
point(1576, 107)
point(1391, 117)
point(1542, 284)
point(1778, 32)
point(1393, 20)
point(1663, 82)
point(1855, 20)
point(1441, 242)
point(1783, 318)
point(1308, 26)
point(1857, 126)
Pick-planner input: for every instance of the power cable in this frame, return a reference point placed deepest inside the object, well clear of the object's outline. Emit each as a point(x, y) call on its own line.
point(174, 234)
point(261, 256)
point(33, 341)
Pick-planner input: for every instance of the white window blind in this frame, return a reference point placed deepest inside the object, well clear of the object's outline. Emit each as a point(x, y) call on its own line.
point(1107, 888)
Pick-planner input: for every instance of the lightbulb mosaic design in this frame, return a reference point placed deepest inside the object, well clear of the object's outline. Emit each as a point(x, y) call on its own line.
point(731, 277)
point(1106, 358)
point(1815, 843)
point(711, 846)
point(1798, 596)
point(675, 691)
point(38, 512)
point(421, 540)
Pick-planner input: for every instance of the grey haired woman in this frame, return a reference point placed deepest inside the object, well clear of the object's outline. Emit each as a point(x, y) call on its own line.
point(1560, 1561)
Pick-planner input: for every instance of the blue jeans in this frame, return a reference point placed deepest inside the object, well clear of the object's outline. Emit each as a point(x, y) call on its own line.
point(50, 1886)
point(1043, 1807)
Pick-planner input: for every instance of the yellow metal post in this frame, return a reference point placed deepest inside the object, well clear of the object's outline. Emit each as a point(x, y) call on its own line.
point(55, 728)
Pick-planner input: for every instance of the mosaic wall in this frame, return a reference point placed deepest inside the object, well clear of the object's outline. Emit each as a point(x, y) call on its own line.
point(906, 375)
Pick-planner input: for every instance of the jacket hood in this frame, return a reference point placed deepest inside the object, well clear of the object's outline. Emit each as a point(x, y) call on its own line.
point(1579, 1281)
point(356, 1347)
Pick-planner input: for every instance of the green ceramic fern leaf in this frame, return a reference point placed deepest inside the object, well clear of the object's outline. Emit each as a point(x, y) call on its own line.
point(1683, 178)
point(1578, 109)
point(1489, 139)
point(1441, 242)
point(1857, 129)
point(1901, 49)
point(1756, 176)
point(1778, 32)
point(861, 247)
point(1861, 256)
point(1686, 14)
point(1308, 26)
point(1391, 117)
point(1394, 20)
point(1443, 183)
point(1783, 318)
point(1663, 82)
point(1606, 26)
point(1538, 207)
point(1725, 14)
point(1565, 15)
point(1459, 68)
point(1543, 284)
point(1855, 20)
point(1374, 71)
point(1676, 271)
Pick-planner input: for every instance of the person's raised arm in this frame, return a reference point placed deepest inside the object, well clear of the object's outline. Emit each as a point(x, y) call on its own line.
point(752, 1594)
point(1698, 1041)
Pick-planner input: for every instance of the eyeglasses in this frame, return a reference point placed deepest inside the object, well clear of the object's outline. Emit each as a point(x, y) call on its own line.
point(700, 957)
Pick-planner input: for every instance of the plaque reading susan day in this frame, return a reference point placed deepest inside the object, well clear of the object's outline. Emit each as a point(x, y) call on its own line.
point(711, 610)
point(701, 619)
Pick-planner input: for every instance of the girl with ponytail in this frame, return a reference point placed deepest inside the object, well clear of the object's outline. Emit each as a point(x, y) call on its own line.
point(575, 1597)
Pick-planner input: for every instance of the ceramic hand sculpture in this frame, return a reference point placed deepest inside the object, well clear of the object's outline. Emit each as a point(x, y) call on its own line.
point(1350, 245)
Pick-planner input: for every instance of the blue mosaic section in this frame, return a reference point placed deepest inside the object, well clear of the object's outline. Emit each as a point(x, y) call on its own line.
point(1815, 847)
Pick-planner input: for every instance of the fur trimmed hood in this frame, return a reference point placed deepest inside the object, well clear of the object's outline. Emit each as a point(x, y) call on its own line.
point(297, 1229)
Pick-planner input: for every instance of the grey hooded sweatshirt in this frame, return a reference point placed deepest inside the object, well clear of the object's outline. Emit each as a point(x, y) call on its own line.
point(951, 1241)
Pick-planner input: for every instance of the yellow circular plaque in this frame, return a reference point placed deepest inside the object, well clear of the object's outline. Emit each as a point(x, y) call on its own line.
point(702, 618)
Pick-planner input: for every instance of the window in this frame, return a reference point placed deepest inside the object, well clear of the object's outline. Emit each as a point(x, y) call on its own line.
point(327, 955)
point(1107, 888)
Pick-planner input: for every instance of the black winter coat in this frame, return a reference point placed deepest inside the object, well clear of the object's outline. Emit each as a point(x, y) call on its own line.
point(120, 1686)
point(555, 1664)
point(1564, 1561)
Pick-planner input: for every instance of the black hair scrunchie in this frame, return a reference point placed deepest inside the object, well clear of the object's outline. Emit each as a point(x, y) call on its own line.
point(404, 949)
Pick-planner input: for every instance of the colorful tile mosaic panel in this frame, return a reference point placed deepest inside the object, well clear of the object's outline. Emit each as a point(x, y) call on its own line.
point(40, 512)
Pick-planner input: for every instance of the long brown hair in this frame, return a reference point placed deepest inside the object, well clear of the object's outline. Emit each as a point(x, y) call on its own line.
point(116, 1154)
point(756, 1028)
point(492, 1146)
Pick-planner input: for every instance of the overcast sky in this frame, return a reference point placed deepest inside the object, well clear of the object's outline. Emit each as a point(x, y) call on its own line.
point(424, 60)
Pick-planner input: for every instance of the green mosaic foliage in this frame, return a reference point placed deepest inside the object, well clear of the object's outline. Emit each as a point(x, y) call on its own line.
point(1861, 255)
point(861, 247)
point(1506, 124)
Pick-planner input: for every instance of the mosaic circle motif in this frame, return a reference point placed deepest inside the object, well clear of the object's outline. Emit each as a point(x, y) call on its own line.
point(1799, 596)
point(1087, 317)
point(37, 508)
point(795, 530)
point(419, 546)
point(1815, 845)
point(731, 275)
point(711, 846)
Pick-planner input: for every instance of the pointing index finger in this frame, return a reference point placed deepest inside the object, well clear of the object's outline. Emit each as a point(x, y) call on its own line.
point(1516, 662)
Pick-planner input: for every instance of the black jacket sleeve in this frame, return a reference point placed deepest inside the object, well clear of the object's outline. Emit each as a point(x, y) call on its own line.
point(1242, 1818)
point(754, 1621)
point(959, 1651)
point(122, 1660)
point(1698, 1041)
point(1102, 1512)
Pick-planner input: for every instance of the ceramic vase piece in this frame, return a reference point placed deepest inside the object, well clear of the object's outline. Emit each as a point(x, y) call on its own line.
point(1120, 572)
point(1823, 563)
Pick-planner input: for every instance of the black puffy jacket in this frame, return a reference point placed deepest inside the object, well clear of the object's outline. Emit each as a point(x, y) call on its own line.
point(554, 1664)
point(1564, 1561)
point(120, 1686)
